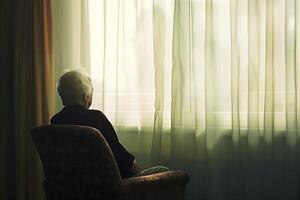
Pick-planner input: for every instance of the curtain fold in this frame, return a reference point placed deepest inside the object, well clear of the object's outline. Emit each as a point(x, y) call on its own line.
point(159, 35)
point(32, 99)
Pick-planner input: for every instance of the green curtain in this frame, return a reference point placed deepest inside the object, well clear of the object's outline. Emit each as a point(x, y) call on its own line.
point(30, 88)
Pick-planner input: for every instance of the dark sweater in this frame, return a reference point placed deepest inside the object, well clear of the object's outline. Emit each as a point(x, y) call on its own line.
point(78, 115)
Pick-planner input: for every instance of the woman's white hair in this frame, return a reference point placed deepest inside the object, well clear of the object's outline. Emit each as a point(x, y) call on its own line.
point(73, 86)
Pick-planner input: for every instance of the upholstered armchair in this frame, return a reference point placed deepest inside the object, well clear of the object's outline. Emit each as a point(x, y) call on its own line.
point(78, 164)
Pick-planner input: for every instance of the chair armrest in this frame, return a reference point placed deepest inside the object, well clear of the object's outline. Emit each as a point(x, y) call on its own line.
point(160, 186)
point(160, 179)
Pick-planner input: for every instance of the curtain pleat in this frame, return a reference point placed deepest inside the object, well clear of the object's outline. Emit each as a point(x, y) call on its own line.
point(159, 34)
point(34, 90)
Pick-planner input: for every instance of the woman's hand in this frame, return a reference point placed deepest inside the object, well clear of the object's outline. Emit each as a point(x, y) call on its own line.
point(136, 168)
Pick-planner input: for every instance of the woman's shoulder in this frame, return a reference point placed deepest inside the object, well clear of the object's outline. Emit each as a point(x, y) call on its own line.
point(97, 113)
point(55, 119)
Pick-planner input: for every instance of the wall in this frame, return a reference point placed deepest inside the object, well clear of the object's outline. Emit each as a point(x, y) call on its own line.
point(7, 112)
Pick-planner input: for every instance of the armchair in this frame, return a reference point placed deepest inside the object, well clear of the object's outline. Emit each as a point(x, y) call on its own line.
point(78, 164)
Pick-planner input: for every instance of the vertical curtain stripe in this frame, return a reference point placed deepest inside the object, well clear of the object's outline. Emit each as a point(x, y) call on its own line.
point(104, 54)
point(159, 25)
point(253, 70)
point(34, 91)
point(235, 124)
point(117, 63)
point(208, 59)
point(269, 80)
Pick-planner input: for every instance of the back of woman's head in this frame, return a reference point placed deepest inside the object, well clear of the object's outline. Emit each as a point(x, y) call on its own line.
point(73, 86)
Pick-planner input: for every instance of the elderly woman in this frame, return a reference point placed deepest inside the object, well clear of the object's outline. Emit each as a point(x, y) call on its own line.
point(76, 91)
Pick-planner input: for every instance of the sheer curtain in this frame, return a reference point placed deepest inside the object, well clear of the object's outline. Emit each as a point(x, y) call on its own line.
point(208, 86)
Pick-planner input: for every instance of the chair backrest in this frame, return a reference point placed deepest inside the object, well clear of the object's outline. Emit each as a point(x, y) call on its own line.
point(78, 163)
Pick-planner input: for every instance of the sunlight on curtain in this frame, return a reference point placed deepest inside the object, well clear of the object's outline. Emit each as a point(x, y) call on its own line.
point(123, 71)
point(209, 86)
point(122, 60)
